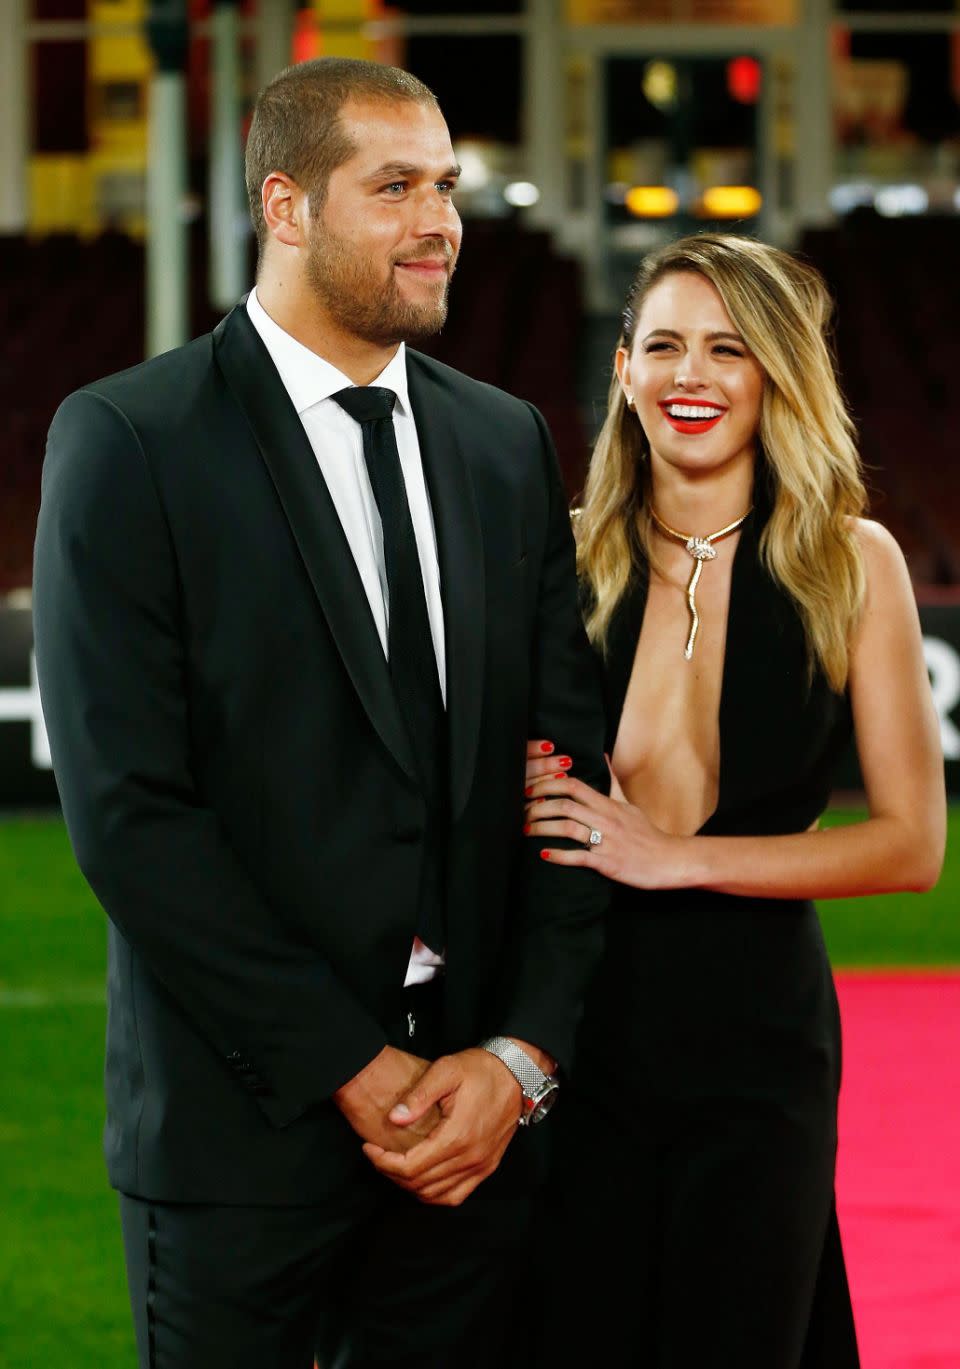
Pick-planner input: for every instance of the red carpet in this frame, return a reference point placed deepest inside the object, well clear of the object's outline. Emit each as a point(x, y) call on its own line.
point(899, 1166)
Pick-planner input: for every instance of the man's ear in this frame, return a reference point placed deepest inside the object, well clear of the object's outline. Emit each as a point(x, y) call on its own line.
point(284, 209)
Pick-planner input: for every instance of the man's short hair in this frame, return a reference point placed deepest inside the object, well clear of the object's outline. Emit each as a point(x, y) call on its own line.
point(296, 126)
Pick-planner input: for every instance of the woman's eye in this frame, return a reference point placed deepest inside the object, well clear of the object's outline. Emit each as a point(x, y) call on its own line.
point(730, 351)
point(658, 346)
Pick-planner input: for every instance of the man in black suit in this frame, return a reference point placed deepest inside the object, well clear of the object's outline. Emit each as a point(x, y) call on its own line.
point(301, 595)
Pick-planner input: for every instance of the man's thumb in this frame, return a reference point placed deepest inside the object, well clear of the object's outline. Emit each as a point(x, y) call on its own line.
point(433, 1086)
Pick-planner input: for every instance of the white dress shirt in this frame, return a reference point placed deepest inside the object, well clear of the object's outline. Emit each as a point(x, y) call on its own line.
point(337, 444)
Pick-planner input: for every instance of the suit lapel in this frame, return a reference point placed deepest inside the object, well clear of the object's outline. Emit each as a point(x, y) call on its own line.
point(257, 388)
point(460, 553)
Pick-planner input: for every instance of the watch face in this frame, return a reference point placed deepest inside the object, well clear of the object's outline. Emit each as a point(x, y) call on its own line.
point(542, 1101)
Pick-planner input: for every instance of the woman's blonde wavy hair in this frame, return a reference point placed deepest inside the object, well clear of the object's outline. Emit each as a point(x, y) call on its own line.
point(807, 452)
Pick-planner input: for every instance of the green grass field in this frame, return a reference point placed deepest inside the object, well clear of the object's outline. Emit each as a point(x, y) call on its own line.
point(62, 1292)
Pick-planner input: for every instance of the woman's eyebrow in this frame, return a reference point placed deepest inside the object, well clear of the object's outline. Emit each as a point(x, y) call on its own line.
point(711, 337)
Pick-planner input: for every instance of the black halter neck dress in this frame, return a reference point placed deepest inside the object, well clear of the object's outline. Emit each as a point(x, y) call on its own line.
point(696, 1226)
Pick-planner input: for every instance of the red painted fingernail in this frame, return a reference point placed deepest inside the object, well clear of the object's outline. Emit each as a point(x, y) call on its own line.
point(544, 855)
point(546, 747)
point(561, 776)
point(565, 761)
point(526, 828)
point(529, 789)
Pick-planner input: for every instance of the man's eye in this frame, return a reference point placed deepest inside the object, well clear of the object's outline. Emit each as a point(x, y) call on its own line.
point(446, 187)
point(396, 185)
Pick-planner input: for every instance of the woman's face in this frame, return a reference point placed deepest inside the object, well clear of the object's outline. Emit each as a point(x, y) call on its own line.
point(695, 385)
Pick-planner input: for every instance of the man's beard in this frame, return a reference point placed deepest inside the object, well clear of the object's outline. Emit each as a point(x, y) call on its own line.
point(358, 301)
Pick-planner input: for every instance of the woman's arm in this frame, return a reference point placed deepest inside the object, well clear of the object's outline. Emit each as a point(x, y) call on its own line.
point(900, 844)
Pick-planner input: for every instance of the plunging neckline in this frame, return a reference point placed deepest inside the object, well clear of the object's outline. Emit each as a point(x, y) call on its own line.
point(623, 663)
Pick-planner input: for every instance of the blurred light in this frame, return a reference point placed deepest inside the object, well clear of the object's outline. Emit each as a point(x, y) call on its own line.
point(474, 171)
point(660, 84)
point(851, 195)
point(640, 235)
point(956, 200)
point(521, 194)
point(306, 37)
point(730, 202)
point(895, 200)
point(744, 79)
point(651, 201)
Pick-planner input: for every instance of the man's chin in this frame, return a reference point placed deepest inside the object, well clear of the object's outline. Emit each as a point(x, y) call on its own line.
point(412, 325)
point(428, 328)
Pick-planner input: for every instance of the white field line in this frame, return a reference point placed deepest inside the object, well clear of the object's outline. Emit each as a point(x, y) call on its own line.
point(84, 995)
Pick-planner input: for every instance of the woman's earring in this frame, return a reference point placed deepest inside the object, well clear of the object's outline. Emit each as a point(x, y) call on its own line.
point(629, 401)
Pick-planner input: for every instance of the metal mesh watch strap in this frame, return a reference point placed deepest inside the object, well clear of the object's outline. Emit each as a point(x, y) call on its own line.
point(528, 1075)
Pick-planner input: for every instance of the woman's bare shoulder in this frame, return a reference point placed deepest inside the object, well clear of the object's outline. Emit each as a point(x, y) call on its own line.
point(890, 598)
point(881, 552)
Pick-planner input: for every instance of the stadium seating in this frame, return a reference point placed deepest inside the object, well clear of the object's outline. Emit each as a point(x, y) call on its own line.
point(72, 311)
point(898, 295)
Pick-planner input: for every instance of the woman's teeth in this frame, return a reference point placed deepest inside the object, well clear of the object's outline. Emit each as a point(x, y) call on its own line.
point(692, 411)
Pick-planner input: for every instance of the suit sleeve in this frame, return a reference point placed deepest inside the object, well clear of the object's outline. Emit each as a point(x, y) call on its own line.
point(110, 661)
point(557, 936)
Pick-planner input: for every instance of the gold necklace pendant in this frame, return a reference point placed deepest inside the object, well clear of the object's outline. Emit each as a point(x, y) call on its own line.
point(701, 549)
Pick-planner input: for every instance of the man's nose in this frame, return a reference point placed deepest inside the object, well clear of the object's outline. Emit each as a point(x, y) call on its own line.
point(437, 217)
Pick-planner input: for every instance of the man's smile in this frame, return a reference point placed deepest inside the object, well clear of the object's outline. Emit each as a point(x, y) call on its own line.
point(427, 268)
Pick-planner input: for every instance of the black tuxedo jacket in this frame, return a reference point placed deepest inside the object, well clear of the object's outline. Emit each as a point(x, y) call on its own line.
point(235, 776)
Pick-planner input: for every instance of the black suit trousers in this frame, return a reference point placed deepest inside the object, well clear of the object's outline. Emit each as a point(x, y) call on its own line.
point(371, 1280)
point(389, 1284)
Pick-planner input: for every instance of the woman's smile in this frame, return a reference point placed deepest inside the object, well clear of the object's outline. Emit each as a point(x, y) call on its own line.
point(687, 417)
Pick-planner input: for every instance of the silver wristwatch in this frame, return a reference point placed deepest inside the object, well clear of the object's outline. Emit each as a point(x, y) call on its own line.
point(539, 1090)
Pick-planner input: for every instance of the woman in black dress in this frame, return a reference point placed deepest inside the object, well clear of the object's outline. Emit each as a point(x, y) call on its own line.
point(747, 617)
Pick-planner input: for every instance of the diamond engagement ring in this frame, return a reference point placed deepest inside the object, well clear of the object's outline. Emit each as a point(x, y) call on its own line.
point(595, 837)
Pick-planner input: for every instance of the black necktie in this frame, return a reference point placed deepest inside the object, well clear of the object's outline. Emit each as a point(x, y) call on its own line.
point(412, 659)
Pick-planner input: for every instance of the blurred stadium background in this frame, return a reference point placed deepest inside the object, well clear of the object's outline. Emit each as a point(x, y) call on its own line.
point(589, 132)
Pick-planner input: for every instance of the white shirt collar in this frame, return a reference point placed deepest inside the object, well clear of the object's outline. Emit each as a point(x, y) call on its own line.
point(308, 379)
